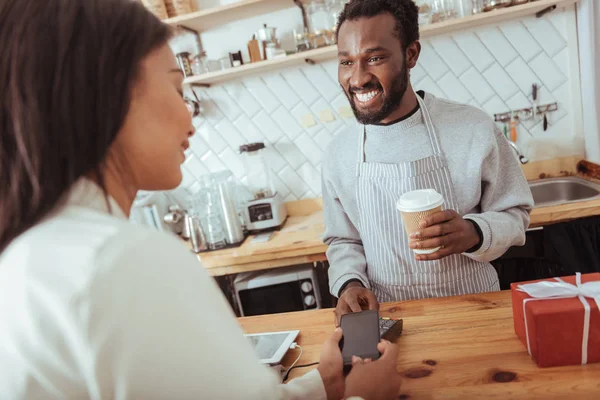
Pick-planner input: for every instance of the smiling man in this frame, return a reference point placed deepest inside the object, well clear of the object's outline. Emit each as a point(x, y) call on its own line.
point(408, 141)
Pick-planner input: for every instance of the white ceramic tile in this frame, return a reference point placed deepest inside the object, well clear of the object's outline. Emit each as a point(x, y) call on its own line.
point(451, 54)
point(230, 133)
point(502, 84)
point(296, 79)
point(548, 72)
point(212, 137)
point(477, 85)
point(562, 61)
point(308, 195)
point(323, 138)
point(243, 98)
point(474, 49)
point(211, 112)
point(495, 105)
point(518, 101)
point(344, 130)
point(248, 130)
point(556, 127)
point(302, 110)
point(262, 94)
point(193, 189)
point(340, 101)
point(233, 162)
point(273, 159)
point(198, 146)
point(559, 21)
point(474, 103)
point(188, 178)
point(331, 67)
point(521, 39)
point(522, 75)
point(320, 106)
point(287, 123)
point(289, 151)
point(311, 176)
point(282, 90)
point(213, 162)
point(195, 167)
point(497, 44)
point(562, 96)
point(431, 62)
point(451, 85)
point(267, 126)
point(290, 198)
point(417, 74)
point(546, 35)
point(328, 88)
point(309, 148)
point(293, 181)
point(429, 86)
point(281, 187)
point(224, 102)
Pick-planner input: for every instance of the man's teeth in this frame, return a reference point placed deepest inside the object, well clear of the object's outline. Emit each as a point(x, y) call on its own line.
point(364, 97)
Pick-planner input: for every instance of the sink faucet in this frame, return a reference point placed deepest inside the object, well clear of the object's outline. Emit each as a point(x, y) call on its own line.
point(522, 158)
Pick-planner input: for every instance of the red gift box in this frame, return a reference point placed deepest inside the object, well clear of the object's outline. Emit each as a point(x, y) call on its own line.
point(558, 320)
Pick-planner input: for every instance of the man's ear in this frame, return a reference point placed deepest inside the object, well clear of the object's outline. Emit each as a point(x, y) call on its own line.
point(412, 54)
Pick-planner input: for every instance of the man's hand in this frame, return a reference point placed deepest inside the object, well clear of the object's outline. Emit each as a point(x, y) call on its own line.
point(355, 298)
point(447, 229)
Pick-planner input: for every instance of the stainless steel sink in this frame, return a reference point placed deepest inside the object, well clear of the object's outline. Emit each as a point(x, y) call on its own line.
point(555, 191)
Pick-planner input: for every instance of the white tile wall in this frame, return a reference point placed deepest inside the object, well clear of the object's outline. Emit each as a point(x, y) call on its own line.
point(490, 67)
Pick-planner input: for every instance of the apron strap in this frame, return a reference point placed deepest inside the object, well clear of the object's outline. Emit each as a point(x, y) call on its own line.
point(433, 137)
point(431, 133)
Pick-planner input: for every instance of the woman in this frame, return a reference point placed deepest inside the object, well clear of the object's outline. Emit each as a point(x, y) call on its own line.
point(91, 306)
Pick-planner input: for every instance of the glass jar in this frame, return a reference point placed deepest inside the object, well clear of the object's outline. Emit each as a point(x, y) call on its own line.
point(200, 64)
point(425, 11)
point(318, 16)
point(335, 8)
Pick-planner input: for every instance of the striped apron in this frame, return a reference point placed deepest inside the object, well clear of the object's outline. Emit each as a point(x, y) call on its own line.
point(393, 272)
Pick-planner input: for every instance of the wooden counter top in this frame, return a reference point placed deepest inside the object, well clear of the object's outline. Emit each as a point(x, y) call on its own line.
point(451, 348)
point(300, 240)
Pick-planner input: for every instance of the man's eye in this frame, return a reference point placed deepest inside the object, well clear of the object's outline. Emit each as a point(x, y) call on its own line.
point(345, 62)
point(375, 59)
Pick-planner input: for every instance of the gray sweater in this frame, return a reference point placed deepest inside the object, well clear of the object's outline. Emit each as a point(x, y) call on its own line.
point(488, 181)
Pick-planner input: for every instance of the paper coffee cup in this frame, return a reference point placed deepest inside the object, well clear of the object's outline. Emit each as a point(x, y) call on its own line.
point(416, 205)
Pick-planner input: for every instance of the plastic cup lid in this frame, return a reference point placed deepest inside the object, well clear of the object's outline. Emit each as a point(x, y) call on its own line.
point(419, 200)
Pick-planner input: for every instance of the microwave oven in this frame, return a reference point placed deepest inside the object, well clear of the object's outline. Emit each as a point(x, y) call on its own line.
point(277, 291)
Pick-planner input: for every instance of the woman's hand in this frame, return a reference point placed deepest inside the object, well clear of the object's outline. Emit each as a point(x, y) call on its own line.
point(375, 380)
point(331, 366)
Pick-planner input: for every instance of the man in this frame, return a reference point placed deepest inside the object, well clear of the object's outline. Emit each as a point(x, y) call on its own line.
point(408, 142)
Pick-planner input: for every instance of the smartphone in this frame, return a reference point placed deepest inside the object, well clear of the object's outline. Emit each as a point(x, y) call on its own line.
point(360, 336)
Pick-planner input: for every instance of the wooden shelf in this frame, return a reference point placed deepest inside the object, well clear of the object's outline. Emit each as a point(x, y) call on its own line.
point(327, 53)
point(205, 20)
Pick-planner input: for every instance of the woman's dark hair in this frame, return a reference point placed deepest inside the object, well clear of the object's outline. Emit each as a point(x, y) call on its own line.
point(66, 70)
point(405, 12)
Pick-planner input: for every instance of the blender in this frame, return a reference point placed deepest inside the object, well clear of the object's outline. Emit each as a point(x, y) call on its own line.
point(264, 209)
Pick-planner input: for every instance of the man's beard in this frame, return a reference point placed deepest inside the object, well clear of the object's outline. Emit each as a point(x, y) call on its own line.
point(391, 101)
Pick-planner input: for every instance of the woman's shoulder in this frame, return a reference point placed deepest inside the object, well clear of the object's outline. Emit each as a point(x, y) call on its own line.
point(79, 244)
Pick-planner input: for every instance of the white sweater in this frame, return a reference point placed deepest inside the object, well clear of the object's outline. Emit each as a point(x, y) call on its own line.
point(92, 306)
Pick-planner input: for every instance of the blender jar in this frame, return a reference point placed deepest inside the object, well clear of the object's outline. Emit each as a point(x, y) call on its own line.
point(257, 171)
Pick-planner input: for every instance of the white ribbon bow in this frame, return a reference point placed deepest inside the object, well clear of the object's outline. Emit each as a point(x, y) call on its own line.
point(548, 290)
